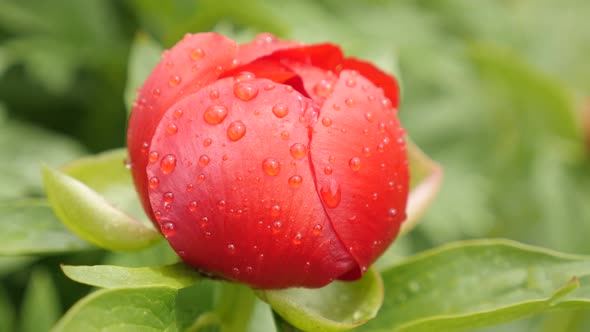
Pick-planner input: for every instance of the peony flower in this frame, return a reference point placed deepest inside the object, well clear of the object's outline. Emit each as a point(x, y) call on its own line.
point(272, 163)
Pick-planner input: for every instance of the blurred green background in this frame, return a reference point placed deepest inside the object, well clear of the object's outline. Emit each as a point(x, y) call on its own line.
point(496, 91)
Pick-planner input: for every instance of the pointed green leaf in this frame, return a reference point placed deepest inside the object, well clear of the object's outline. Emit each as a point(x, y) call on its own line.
point(337, 307)
point(195, 306)
point(144, 55)
point(474, 284)
point(91, 217)
point(30, 227)
point(138, 309)
point(40, 308)
point(6, 312)
point(425, 181)
point(107, 276)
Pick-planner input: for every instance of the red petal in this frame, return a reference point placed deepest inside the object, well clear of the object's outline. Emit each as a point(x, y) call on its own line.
point(378, 77)
point(194, 62)
point(264, 44)
point(360, 163)
point(251, 221)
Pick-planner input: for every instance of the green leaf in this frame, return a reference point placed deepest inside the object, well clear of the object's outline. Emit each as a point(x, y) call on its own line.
point(106, 276)
point(336, 307)
point(30, 227)
point(195, 306)
point(474, 284)
point(425, 181)
point(10, 264)
point(138, 309)
point(6, 312)
point(144, 56)
point(234, 306)
point(91, 217)
point(40, 308)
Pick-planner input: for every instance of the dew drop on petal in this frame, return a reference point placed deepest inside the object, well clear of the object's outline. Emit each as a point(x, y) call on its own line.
point(271, 167)
point(197, 54)
point(298, 150)
point(168, 229)
point(351, 83)
point(244, 76)
point(168, 197)
point(231, 249)
point(213, 94)
point(153, 156)
point(215, 114)
point(269, 87)
point(174, 80)
point(204, 160)
point(349, 102)
point(277, 226)
point(326, 121)
point(317, 229)
point(366, 151)
point(171, 129)
point(236, 130)
point(201, 178)
point(297, 239)
point(245, 91)
point(331, 194)
point(355, 163)
point(323, 89)
point(168, 164)
point(154, 182)
point(275, 210)
point(192, 206)
point(369, 116)
point(327, 170)
point(207, 142)
point(295, 181)
point(280, 110)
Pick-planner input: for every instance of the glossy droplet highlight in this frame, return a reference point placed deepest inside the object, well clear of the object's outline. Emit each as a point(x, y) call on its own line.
point(280, 110)
point(168, 229)
point(285, 135)
point(213, 94)
point(168, 197)
point(178, 113)
point(174, 80)
point(215, 114)
point(192, 206)
point(244, 76)
point(197, 54)
point(317, 229)
point(349, 102)
point(331, 194)
point(323, 89)
point(204, 160)
point(355, 163)
point(207, 142)
point(297, 239)
point(171, 129)
point(236, 130)
point(245, 91)
point(153, 156)
point(275, 210)
point(271, 167)
point(326, 121)
point(295, 181)
point(298, 150)
point(168, 164)
point(231, 249)
point(154, 182)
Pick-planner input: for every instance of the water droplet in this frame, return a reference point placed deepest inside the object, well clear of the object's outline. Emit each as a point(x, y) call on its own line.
point(276, 227)
point(245, 91)
point(390, 185)
point(331, 159)
point(178, 113)
point(197, 54)
point(392, 212)
point(369, 116)
point(231, 249)
point(285, 135)
point(154, 182)
point(236, 130)
point(207, 142)
point(174, 80)
point(297, 239)
point(249, 270)
point(307, 267)
point(153, 156)
point(221, 205)
point(171, 129)
point(144, 147)
point(317, 229)
point(374, 196)
point(204, 160)
point(328, 170)
point(366, 151)
point(323, 89)
point(331, 194)
point(280, 110)
point(271, 167)
point(386, 140)
point(336, 107)
point(235, 271)
point(382, 127)
point(289, 88)
point(386, 103)
point(224, 157)
point(265, 38)
point(275, 210)
point(355, 163)
point(269, 87)
point(201, 178)
point(192, 206)
point(326, 121)
point(190, 187)
point(215, 114)
point(370, 98)
point(156, 93)
point(168, 229)
point(295, 181)
point(298, 150)
point(351, 82)
point(244, 76)
point(168, 164)
point(168, 197)
point(213, 94)
point(380, 147)
point(349, 102)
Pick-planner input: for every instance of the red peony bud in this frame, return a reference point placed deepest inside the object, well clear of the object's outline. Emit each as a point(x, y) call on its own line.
point(272, 163)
